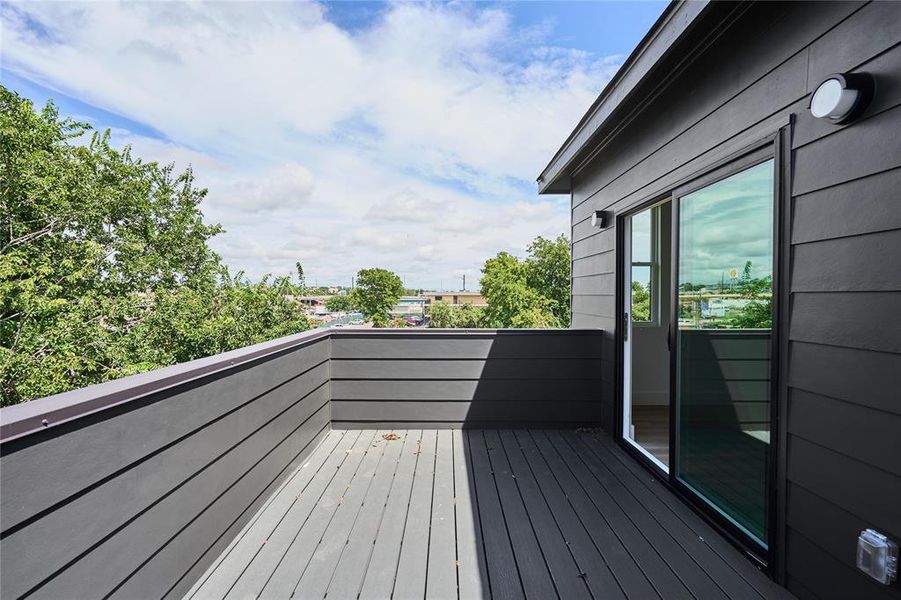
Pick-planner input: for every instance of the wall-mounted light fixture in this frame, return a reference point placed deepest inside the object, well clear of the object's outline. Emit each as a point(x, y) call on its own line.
point(842, 97)
point(599, 219)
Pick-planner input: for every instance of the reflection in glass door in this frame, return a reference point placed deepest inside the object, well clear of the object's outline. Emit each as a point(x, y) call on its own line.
point(722, 366)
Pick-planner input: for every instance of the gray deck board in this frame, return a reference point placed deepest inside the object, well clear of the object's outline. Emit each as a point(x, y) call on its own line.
point(378, 582)
point(412, 564)
point(347, 579)
point(470, 557)
point(318, 573)
point(476, 514)
point(442, 570)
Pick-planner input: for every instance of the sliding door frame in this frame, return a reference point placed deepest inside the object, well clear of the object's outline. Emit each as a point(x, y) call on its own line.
point(775, 146)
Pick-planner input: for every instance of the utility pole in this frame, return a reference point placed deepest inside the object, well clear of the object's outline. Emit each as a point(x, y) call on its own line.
point(464, 282)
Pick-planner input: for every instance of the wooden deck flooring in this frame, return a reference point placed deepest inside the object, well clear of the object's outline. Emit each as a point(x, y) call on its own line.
point(477, 514)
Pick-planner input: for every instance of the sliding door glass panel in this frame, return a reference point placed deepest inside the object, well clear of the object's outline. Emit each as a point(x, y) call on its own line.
point(644, 245)
point(724, 294)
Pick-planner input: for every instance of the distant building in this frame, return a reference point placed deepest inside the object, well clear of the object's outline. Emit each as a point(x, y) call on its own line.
point(456, 298)
point(409, 305)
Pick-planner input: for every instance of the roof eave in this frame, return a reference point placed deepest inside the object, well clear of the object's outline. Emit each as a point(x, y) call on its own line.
point(670, 27)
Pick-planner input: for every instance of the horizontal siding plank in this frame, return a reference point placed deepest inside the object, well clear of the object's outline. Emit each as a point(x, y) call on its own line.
point(464, 390)
point(859, 263)
point(870, 436)
point(866, 491)
point(458, 412)
point(586, 320)
point(594, 284)
point(860, 376)
point(867, 320)
point(594, 265)
point(597, 243)
point(599, 306)
point(468, 345)
point(38, 472)
point(495, 368)
point(871, 146)
point(865, 205)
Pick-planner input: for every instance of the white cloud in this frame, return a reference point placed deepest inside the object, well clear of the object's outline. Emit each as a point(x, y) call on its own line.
point(407, 144)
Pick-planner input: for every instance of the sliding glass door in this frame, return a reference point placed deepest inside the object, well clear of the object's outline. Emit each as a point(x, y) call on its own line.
point(722, 297)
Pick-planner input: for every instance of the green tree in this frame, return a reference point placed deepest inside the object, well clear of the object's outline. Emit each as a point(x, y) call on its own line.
point(757, 313)
point(105, 268)
point(548, 269)
point(468, 316)
point(340, 303)
point(377, 292)
point(442, 315)
point(511, 301)
point(641, 302)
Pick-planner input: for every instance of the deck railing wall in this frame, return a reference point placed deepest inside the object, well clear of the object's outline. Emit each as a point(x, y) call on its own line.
point(471, 378)
point(133, 487)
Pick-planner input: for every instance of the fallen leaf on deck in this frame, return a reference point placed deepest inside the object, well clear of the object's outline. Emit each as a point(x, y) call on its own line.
point(390, 437)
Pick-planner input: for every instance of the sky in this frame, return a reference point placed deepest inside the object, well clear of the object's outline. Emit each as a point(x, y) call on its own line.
point(343, 135)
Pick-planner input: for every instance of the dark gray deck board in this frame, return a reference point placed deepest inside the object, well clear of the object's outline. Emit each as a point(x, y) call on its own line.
point(646, 573)
point(530, 559)
point(503, 572)
point(561, 563)
point(476, 514)
point(592, 563)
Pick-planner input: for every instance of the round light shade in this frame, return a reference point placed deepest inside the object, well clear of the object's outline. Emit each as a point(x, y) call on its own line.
point(841, 97)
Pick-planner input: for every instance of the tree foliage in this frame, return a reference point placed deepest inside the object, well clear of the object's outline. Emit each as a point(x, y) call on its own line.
point(548, 269)
point(641, 302)
point(340, 303)
point(447, 316)
point(377, 292)
point(757, 313)
point(529, 293)
point(105, 267)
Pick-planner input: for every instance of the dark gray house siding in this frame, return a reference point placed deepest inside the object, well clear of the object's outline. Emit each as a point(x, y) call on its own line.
point(475, 378)
point(747, 72)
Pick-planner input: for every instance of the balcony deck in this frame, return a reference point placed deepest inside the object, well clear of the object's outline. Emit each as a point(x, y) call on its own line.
point(477, 514)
